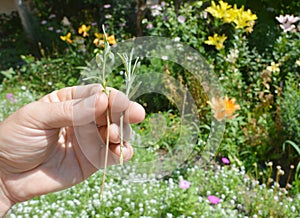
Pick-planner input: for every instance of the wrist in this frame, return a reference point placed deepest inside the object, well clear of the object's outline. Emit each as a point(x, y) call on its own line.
point(5, 202)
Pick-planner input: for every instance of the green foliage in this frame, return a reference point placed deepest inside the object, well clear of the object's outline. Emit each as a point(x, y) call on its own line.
point(44, 75)
point(165, 21)
point(290, 108)
point(13, 41)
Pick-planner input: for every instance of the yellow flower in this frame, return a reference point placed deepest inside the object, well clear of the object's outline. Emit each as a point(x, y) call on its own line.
point(273, 67)
point(67, 38)
point(216, 40)
point(298, 62)
point(224, 107)
point(99, 40)
point(228, 14)
point(84, 30)
point(218, 11)
point(244, 19)
point(231, 14)
point(249, 29)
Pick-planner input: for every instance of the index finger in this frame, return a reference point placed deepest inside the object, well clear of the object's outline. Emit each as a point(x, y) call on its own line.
point(71, 93)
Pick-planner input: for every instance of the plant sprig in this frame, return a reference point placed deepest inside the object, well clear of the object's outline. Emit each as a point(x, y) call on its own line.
point(101, 61)
point(129, 79)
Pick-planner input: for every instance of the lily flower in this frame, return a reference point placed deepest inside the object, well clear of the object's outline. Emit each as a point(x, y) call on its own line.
point(84, 30)
point(224, 107)
point(67, 38)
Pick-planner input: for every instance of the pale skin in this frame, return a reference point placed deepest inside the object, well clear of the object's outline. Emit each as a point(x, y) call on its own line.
point(40, 151)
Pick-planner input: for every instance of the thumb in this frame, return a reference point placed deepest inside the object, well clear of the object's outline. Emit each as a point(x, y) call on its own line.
point(49, 115)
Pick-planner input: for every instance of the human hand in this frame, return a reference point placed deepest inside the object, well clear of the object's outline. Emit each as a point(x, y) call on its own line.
point(53, 144)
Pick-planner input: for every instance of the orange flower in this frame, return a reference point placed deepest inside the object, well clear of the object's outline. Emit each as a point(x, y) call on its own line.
point(67, 38)
point(224, 107)
point(99, 40)
point(111, 40)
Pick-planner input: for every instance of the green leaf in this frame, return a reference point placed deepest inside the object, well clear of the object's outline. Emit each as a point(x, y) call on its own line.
point(293, 144)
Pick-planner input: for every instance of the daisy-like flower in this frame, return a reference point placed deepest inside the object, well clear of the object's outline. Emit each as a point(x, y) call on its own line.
point(216, 40)
point(67, 38)
point(84, 30)
point(224, 107)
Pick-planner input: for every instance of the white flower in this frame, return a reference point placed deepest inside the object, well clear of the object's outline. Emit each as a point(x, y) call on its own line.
point(181, 19)
point(165, 58)
point(287, 22)
point(156, 10)
point(176, 39)
point(169, 215)
point(232, 56)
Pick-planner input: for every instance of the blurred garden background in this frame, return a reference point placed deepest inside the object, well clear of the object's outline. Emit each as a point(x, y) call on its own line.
point(253, 49)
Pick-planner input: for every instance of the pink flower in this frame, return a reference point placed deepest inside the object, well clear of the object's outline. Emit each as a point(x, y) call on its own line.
point(106, 6)
point(287, 22)
point(52, 16)
point(292, 19)
point(149, 26)
point(213, 199)
point(225, 160)
point(183, 184)
point(10, 97)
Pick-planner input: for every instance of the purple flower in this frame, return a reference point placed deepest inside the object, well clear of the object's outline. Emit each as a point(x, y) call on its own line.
point(106, 6)
point(58, 31)
point(10, 97)
point(94, 24)
point(50, 28)
point(225, 160)
point(181, 19)
point(43, 22)
point(183, 184)
point(213, 199)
